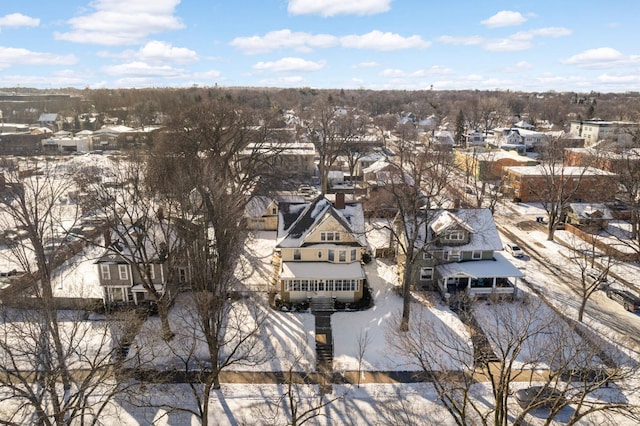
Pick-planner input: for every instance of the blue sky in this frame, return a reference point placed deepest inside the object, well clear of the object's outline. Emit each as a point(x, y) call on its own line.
point(537, 45)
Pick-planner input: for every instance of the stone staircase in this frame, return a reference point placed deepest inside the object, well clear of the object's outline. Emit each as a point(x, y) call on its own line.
point(322, 310)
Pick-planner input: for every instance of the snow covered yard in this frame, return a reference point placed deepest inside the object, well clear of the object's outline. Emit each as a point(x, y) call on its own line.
point(287, 340)
point(383, 317)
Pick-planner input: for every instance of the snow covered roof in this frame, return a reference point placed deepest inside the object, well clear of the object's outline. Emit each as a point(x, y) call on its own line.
point(499, 267)
point(321, 270)
point(479, 222)
point(540, 170)
point(256, 206)
point(47, 116)
point(296, 220)
point(591, 210)
point(446, 220)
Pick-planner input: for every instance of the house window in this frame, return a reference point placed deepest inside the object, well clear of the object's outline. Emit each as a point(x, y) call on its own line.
point(151, 272)
point(122, 271)
point(296, 254)
point(274, 210)
point(332, 255)
point(319, 254)
point(475, 255)
point(105, 272)
point(354, 255)
point(426, 274)
point(329, 236)
point(427, 256)
point(455, 236)
point(182, 275)
point(454, 255)
point(342, 256)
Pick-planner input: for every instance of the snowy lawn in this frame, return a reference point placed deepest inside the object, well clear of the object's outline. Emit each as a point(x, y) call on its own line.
point(284, 341)
point(381, 319)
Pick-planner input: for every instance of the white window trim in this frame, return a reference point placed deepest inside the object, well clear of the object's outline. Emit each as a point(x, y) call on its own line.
point(426, 277)
point(105, 272)
point(476, 255)
point(123, 272)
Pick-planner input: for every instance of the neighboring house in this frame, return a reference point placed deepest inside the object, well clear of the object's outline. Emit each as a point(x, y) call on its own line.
point(487, 165)
point(589, 217)
point(51, 121)
point(514, 137)
point(459, 252)
point(583, 184)
point(321, 246)
point(119, 270)
point(476, 138)
point(443, 139)
point(67, 143)
point(594, 131)
point(261, 212)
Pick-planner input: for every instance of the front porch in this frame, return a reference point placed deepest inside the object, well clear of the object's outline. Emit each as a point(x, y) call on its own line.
point(479, 278)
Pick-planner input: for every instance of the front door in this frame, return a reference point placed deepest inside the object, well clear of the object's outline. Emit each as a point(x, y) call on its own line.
point(322, 289)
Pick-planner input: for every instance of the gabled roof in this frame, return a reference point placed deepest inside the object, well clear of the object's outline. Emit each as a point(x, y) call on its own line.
point(48, 116)
point(446, 220)
point(591, 211)
point(484, 234)
point(297, 220)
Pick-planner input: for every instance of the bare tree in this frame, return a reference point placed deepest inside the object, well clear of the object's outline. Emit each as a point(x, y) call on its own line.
point(221, 150)
point(526, 343)
point(321, 129)
point(56, 369)
point(141, 228)
point(591, 278)
point(300, 402)
point(363, 341)
point(411, 188)
point(559, 184)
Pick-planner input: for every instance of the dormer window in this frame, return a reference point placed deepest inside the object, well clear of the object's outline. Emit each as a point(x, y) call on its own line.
point(455, 236)
point(297, 255)
point(330, 236)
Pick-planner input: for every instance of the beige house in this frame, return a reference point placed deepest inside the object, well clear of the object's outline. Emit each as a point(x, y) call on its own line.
point(261, 212)
point(321, 246)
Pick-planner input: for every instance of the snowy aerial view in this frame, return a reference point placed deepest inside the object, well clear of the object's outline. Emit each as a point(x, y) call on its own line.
point(319, 212)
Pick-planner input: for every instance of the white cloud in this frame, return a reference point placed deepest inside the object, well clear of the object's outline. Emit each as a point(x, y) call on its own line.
point(519, 67)
point(434, 70)
point(602, 57)
point(338, 7)
point(619, 79)
point(15, 20)
point(367, 64)
point(504, 18)
point(290, 65)
point(17, 56)
point(122, 22)
point(283, 39)
point(156, 52)
point(288, 81)
point(509, 44)
point(377, 40)
point(467, 41)
point(523, 40)
point(551, 32)
point(141, 69)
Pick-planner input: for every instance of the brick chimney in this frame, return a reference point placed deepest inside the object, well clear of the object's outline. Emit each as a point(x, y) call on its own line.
point(339, 203)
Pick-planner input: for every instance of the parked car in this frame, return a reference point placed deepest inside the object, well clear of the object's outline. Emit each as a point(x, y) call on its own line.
point(514, 250)
point(630, 301)
point(540, 397)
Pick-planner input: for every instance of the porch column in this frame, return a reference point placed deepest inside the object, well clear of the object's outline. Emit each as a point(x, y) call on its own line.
point(493, 285)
